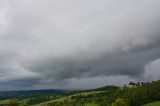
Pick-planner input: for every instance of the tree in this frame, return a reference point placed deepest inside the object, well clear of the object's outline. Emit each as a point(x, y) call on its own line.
point(120, 102)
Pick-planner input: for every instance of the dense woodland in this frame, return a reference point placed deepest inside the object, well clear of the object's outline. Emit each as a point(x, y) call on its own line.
point(134, 94)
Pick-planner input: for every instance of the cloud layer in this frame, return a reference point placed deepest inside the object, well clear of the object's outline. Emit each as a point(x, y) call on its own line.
point(62, 44)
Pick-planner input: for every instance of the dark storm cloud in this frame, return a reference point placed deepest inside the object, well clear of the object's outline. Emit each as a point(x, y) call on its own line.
point(131, 63)
point(46, 43)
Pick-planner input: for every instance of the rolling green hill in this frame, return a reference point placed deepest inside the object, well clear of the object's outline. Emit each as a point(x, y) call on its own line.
point(68, 98)
point(137, 95)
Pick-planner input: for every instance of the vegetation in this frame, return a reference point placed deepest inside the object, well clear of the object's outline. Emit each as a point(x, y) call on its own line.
point(120, 102)
point(142, 94)
point(134, 94)
point(157, 103)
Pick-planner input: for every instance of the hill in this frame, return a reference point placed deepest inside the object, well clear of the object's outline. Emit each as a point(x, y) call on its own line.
point(137, 95)
point(26, 93)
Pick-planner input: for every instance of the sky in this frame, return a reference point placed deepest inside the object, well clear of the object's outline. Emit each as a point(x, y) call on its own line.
point(78, 44)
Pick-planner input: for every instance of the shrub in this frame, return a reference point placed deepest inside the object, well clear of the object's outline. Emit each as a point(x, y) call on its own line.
point(120, 102)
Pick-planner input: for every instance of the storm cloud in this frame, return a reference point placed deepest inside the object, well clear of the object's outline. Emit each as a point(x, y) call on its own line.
point(72, 44)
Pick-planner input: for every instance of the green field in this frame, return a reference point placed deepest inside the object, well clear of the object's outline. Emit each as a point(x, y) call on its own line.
point(69, 97)
point(153, 104)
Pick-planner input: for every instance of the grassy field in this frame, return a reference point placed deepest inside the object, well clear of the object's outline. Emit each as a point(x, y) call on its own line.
point(4, 101)
point(68, 97)
point(153, 104)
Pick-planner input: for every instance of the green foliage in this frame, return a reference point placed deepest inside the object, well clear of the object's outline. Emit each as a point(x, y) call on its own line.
point(142, 94)
point(91, 104)
point(153, 104)
point(13, 103)
point(23, 104)
point(120, 102)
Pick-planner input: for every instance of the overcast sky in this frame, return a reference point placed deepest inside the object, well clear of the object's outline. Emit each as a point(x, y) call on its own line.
point(78, 44)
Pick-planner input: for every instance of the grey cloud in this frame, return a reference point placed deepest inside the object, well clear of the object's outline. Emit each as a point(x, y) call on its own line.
point(55, 43)
point(131, 63)
point(152, 70)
